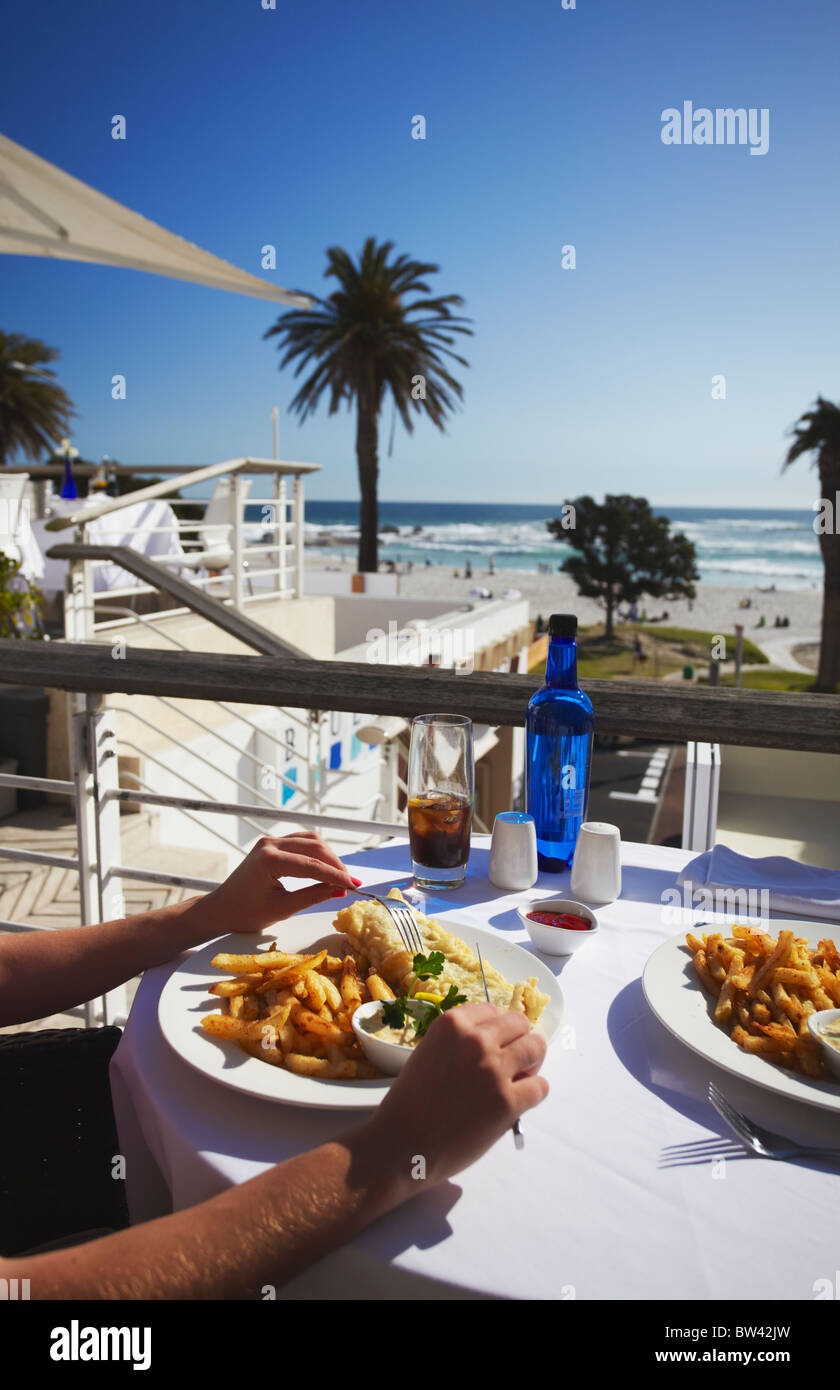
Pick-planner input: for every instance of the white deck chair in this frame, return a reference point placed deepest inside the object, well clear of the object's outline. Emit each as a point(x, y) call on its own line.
point(215, 544)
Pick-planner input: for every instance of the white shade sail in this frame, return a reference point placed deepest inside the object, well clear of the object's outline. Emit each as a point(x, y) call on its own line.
point(46, 212)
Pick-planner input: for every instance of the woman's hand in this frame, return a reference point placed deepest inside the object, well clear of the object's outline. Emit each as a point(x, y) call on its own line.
point(251, 899)
point(471, 1077)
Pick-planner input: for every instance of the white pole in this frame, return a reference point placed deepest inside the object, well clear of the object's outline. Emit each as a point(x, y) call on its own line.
point(297, 494)
point(280, 534)
point(238, 543)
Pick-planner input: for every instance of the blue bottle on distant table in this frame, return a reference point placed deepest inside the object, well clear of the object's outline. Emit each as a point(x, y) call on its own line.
point(559, 728)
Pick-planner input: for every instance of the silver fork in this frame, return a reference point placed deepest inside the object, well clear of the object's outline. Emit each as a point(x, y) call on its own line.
point(403, 919)
point(762, 1141)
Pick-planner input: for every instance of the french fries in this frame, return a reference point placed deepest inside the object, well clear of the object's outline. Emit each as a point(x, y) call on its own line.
point(765, 990)
point(293, 1011)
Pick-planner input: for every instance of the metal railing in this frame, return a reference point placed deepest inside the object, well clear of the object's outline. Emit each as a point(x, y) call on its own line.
point(322, 780)
point(229, 562)
point(96, 793)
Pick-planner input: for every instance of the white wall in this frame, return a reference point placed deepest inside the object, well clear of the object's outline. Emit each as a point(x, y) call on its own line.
point(778, 772)
point(356, 615)
point(482, 623)
point(340, 582)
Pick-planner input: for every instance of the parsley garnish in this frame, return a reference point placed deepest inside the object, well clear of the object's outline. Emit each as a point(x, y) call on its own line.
point(427, 967)
point(432, 1011)
point(395, 1011)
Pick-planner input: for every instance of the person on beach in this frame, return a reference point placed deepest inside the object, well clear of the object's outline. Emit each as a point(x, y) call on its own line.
point(270, 1228)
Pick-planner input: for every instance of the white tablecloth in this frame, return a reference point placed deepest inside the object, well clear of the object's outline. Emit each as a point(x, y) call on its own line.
point(114, 529)
point(619, 1192)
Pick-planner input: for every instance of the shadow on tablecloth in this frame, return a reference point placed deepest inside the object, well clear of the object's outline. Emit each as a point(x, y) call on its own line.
point(680, 1077)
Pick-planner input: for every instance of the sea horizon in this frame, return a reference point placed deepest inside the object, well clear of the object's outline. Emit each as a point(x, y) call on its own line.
point(750, 546)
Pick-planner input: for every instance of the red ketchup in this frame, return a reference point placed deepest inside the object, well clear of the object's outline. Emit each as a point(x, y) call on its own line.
point(560, 919)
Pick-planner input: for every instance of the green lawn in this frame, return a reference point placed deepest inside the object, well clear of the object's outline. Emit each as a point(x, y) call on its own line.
point(668, 649)
point(773, 680)
point(601, 660)
point(697, 645)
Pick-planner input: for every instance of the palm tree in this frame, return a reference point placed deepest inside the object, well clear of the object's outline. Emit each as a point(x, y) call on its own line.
point(35, 411)
point(367, 339)
point(818, 432)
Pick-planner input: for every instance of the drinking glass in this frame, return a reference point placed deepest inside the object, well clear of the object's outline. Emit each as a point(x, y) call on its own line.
point(440, 798)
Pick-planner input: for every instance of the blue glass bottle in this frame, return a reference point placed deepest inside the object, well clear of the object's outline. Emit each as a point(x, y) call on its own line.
point(559, 728)
point(68, 486)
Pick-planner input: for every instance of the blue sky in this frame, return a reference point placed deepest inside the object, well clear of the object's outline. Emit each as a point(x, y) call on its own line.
point(292, 126)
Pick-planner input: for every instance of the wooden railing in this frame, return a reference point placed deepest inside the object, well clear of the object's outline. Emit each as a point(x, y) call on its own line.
point(641, 709)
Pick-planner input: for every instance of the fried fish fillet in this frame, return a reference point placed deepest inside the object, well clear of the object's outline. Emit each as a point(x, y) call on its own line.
point(371, 932)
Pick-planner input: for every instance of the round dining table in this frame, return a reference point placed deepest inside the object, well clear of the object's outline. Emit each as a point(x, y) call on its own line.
point(629, 1185)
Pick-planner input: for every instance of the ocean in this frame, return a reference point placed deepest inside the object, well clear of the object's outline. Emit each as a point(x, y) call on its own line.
point(754, 548)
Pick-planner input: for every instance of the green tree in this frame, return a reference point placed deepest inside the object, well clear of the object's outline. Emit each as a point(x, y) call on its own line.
point(35, 411)
point(623, 551)
point(817, 432)
point(369, 338)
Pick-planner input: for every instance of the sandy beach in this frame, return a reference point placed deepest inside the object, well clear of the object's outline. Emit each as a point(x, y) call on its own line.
point(715, 609)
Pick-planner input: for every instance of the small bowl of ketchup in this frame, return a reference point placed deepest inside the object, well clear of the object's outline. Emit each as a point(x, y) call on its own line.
point(558, 926)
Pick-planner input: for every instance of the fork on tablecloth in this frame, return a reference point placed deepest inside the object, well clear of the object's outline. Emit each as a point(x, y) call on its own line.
point(763, 1141)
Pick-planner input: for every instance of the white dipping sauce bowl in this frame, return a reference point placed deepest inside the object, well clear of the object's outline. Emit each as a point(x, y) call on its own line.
point(388, 1056)
point(558, 941)
point(816, 1022)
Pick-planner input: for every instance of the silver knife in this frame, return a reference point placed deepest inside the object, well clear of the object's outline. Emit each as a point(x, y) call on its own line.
point(518, 1136)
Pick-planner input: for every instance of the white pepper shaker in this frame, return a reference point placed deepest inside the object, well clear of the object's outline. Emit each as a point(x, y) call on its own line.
point(513, 851)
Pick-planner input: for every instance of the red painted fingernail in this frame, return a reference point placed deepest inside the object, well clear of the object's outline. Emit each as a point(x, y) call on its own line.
point(339, 893)
point(357, 881)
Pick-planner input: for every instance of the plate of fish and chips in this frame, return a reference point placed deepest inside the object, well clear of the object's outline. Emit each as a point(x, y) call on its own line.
point(741, 995)
point(274, 1019)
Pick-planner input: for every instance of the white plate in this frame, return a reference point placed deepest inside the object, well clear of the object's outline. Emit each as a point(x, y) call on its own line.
point(678, 999)
point(185, 1000)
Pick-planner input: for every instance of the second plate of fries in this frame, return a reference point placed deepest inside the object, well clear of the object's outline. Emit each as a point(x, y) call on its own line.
point(272, 1018)
point(740, 995)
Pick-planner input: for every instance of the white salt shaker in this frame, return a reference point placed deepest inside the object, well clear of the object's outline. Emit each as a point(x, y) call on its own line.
point(596, 867)
point(513, 851)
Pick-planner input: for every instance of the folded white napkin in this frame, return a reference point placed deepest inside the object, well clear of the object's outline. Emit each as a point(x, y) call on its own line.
point(792, 887)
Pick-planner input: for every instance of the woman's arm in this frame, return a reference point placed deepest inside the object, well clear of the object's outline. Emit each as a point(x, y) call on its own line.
point(469, 1080)
point(46, 972)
